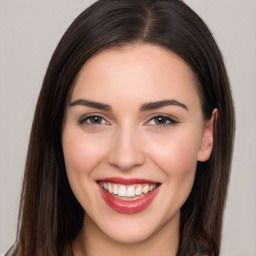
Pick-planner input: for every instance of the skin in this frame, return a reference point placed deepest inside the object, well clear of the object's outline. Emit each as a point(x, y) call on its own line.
point(131, 143)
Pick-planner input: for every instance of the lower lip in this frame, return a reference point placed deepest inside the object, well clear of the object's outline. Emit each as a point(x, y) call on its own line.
point(128, 206)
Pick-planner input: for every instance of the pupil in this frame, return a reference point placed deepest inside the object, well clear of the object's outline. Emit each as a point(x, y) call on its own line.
point(160, 120)
point(95, 119)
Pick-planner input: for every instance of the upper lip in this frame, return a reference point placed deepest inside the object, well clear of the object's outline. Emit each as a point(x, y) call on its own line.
point(126, 181)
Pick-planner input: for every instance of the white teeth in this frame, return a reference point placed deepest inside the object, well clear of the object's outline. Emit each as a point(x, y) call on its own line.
point(122, 191)
point(130, 192)
point(115, 189)
point(138, 191)
point(145, 189)
point(110, 188)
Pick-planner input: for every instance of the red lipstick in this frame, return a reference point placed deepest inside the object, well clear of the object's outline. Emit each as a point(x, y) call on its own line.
point(128, 207)
point(126, 181)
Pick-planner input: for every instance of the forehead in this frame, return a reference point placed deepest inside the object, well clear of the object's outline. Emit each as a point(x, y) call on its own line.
point(139, 71)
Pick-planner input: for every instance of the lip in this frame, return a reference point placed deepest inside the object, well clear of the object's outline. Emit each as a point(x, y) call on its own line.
point(124, 181)
point(128, 207)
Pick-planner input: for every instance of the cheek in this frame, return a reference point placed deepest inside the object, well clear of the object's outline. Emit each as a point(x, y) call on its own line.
point(81, 156)
point(81, 153)
point(184, 155)
point(177, 155)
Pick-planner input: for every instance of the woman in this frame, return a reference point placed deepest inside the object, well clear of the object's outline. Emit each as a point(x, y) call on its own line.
point(132, 138)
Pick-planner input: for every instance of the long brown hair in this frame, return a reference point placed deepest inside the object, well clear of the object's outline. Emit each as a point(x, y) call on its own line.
point(50, 217)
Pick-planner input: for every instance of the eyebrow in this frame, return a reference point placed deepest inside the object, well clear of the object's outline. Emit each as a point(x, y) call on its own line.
point(91, 104)
point(162, 103)
point(144, 107)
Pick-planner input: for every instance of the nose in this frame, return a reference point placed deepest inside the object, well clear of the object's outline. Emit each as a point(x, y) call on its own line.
point(126, 151)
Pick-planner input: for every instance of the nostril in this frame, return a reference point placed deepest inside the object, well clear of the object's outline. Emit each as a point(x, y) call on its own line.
point(125, 164)
point(125, 160)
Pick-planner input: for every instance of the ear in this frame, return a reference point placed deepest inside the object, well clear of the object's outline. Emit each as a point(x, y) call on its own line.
point(205, 150)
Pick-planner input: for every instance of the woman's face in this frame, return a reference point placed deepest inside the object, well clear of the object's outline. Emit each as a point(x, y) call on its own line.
point(132, 136)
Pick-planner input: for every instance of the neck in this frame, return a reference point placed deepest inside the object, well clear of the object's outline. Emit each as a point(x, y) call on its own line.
point(92, 241)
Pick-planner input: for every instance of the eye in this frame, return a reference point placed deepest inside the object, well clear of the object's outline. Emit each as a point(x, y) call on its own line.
point(162, 121)
point(93, 120)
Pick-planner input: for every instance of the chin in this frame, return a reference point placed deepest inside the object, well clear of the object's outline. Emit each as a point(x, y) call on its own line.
point(131, 235)
point(138, 228)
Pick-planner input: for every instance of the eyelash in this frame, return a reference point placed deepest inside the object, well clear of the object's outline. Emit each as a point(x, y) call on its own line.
point(91, 116)
point(170, 121)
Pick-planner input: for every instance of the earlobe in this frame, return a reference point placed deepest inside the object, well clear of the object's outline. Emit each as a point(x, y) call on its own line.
point(206, 146)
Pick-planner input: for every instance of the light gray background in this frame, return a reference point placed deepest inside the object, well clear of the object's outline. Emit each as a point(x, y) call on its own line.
point(30, 31)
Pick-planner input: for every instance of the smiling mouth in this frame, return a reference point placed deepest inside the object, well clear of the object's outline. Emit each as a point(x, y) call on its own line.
point(128, 195)
point(128, 192)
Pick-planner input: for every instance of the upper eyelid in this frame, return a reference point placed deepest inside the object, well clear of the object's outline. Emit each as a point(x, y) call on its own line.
point(84, 117)
point(169, 120)
point(171, 123)
point(163, 115)
point(94, 114)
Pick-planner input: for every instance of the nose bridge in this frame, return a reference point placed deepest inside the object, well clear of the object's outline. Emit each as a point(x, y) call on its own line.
point(126, 151)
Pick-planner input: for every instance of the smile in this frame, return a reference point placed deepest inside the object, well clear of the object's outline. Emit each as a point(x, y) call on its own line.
point(128, 195)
